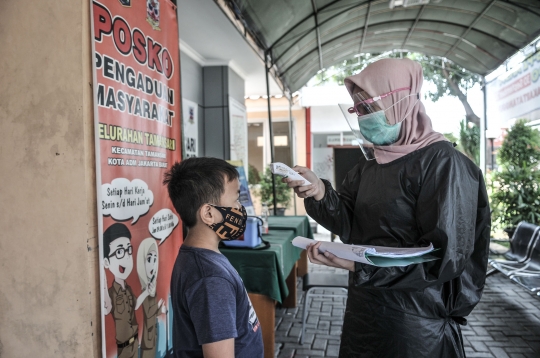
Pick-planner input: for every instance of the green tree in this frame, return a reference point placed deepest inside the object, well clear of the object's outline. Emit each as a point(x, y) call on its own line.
point(516, 191)
point(469, 141)
point(521, 147)
point(253, 174)
point(449, 80)
point(451, 137)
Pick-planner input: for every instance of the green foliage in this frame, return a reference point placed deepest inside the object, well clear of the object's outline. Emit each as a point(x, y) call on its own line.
point(434, 68)
point(469, 141)
point(451, 137)
point(283, 192)
point(516, 197)
point(253, 175)
point(521, 146)
point(516, 187)
point(338, 73)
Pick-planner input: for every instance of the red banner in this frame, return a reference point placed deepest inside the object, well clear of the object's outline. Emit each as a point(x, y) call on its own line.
point(137, 118)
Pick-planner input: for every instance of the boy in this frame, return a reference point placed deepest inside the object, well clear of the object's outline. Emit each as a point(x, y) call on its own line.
point(212, 314)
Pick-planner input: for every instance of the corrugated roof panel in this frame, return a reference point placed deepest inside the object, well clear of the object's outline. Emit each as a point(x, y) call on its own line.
point(476, 34)
point(274, 18)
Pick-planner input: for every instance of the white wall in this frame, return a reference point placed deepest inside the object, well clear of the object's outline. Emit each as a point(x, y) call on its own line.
point(328, 119)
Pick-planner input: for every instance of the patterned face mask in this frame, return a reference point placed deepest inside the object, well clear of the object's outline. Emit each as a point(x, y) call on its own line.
point(233, 224)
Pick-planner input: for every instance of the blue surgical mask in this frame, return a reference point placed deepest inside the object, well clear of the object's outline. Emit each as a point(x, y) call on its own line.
point(375, 128)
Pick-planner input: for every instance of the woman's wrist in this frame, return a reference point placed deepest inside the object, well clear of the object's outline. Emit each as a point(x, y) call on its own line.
point(321, 191)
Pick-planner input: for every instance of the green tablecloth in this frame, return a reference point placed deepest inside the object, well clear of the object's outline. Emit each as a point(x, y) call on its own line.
point(265, 271)
point(300, 224)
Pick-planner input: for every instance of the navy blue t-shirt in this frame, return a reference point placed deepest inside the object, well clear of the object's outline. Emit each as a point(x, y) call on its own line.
point(210, 304)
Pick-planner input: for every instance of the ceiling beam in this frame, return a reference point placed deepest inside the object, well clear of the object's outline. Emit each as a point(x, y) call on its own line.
point(413, 26)
point(522, 7)
point(318, 33)
point(241, 26)
point(365, 4)
point(300, 23)
point(366, 24)
point(308, 31)
point(308, 72)
point(382, 46)
point(436, 7)
point(395, 21)
point(470, 28)
point(249, 36)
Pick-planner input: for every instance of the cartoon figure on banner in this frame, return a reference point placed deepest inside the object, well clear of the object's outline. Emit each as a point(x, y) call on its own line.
point(152, 13)
point(119, 298)
point(147, 268)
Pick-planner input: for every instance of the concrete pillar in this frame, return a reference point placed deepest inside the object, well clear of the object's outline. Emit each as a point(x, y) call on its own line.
point(49, 289)
point(219, 83)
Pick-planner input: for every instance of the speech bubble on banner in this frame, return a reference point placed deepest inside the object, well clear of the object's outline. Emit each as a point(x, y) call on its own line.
point(162, 224)
point(123, 199)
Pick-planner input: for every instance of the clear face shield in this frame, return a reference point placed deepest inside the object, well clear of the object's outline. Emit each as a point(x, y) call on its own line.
point(369, 123)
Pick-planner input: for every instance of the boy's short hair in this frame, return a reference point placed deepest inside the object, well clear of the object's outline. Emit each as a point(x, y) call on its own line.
point(112, 233)
point(195, 182)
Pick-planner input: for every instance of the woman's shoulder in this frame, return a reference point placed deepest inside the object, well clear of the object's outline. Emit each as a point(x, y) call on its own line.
point(445, 155)
point(442, 148)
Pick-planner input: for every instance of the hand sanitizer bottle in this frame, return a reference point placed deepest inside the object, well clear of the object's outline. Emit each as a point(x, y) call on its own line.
point(264, 216)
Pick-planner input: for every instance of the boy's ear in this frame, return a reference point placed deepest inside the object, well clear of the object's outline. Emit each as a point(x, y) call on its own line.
point(106, 263)
point(206, 215)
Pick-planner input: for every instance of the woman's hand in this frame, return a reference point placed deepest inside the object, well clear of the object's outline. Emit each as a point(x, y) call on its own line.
point(328, 259)
point(315, 189)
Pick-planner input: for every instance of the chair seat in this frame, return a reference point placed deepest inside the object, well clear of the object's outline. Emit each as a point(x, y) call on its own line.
point(532, 282)
point(316, 279)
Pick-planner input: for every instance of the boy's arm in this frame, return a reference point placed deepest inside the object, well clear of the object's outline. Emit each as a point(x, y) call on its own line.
point(220, 349)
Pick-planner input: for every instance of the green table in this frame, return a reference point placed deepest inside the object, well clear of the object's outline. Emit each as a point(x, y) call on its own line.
point(300, 225)
point(265, 271)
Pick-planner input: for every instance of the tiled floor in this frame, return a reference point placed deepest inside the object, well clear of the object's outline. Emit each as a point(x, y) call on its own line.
point(506, 322)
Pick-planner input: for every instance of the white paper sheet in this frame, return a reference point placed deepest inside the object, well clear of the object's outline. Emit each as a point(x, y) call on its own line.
point(361, 253)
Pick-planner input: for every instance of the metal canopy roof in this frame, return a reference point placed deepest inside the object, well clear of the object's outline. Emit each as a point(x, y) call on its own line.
point(301, 37)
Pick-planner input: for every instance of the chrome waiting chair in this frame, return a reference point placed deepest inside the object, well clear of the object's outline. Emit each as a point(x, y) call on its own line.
point(528, 276)
point(337, 283)
point(518, 258)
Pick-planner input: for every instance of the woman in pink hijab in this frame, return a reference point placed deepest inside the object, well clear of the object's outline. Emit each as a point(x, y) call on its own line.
point(418, 190)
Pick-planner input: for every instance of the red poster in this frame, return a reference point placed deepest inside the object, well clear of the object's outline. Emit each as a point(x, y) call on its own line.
point(137, 119)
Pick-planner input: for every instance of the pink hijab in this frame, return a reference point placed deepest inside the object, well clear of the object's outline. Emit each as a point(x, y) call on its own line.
point(387, 75)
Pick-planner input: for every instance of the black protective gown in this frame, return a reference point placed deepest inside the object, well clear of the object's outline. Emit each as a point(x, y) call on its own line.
point(436, 195)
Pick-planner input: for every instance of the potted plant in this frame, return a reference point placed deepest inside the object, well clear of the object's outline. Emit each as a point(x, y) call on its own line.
point(253, 175)
point(516, 185)
point(283, 193)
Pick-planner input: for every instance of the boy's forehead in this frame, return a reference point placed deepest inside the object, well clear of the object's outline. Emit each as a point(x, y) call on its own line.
point(232, 182)
point(232, 186)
